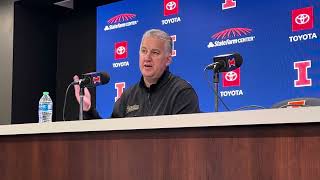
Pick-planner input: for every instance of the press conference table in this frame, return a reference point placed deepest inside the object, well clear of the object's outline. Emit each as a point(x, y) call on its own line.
point(274, 144)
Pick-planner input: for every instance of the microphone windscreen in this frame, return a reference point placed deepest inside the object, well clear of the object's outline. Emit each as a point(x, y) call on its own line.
point(239, 59)
point(94, 79)
point(105, 78)
point(228, 62)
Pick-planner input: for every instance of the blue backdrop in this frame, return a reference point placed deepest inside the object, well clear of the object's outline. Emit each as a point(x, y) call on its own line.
point(278, 40)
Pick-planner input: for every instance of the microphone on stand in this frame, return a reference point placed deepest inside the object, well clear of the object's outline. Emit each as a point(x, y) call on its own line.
point(88, 80)
point(225, 63)
point(93, 79)
point(222, 63)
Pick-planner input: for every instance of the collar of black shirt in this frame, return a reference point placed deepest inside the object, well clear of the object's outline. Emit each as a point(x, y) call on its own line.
point(162, 81)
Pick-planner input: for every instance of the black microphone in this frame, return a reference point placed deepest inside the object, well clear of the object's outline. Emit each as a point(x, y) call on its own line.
point(93, 79)
point(225, 62)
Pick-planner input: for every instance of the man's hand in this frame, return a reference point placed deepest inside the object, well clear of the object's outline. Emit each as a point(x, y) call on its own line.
point(87, 95)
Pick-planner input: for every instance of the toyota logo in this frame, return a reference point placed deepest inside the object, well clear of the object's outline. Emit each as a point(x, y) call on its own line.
point(121, 50)
point(231, 76)
point(171, 5)
point(302, 19)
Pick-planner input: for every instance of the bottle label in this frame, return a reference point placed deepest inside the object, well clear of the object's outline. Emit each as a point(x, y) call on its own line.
point(45, 107)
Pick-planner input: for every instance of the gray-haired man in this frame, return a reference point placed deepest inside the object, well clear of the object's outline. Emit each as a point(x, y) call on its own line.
point(158, 92)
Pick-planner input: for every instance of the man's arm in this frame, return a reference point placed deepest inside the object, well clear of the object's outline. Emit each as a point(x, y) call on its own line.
point(119, 107)
point(88, 111)
point(91, 114)
point(186, 102)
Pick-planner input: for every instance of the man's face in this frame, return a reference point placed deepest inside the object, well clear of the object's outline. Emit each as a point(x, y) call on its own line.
point(154, 58)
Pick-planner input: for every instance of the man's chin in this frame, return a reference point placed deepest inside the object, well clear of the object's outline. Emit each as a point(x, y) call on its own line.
point(147, 73)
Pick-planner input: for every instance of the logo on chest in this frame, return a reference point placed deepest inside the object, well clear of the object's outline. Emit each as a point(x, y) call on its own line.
point(132, 108)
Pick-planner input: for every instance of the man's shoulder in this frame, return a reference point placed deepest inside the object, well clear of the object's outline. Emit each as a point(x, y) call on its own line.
point(132, 88)
point(179, 82)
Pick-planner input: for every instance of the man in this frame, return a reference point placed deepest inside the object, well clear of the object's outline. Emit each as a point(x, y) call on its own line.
point(159, 92)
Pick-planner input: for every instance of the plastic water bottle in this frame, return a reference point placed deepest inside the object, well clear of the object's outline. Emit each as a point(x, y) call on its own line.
point(45, 108)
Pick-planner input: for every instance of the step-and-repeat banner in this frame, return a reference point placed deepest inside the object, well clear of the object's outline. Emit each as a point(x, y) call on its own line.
point(278, 40)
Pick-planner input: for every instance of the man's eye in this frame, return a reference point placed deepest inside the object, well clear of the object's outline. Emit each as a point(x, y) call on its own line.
point(143, 51)
point(155, 53)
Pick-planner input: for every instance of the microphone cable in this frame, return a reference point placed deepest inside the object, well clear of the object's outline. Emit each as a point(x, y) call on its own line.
point(212, 88)
point(65, 100)
point(226, 107)
point(249, 107)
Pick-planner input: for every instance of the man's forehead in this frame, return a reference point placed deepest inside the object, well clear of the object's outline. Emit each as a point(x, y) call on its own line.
point(150, 39)
point(152, 43)
point(151, 49)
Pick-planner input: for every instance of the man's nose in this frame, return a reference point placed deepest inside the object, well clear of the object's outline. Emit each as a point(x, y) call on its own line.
point(147, 56)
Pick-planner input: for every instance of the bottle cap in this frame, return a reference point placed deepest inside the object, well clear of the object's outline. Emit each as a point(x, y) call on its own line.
point(45, 93)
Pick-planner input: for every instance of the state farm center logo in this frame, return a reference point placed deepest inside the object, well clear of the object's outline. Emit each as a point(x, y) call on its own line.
point(120, 52)
point(231, 79)
point(121, 21)
point(231, 36)
point(302, 19)
point(170, 8)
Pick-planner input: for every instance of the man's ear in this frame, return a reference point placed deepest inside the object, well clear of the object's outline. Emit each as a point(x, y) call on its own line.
point(169, 60)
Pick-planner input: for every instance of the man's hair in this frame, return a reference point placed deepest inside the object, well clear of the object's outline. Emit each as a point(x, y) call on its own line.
point(159, 34)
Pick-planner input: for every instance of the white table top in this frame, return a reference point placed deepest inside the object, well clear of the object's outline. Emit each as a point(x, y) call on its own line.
point(234, 118)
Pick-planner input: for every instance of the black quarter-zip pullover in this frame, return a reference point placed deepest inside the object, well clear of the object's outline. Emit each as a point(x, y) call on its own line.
point(170, 95)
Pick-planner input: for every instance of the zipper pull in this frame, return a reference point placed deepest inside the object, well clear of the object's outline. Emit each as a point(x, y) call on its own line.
point(149, 99)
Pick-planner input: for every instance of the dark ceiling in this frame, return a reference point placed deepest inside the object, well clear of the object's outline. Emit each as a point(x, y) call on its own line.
point(78, 4)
